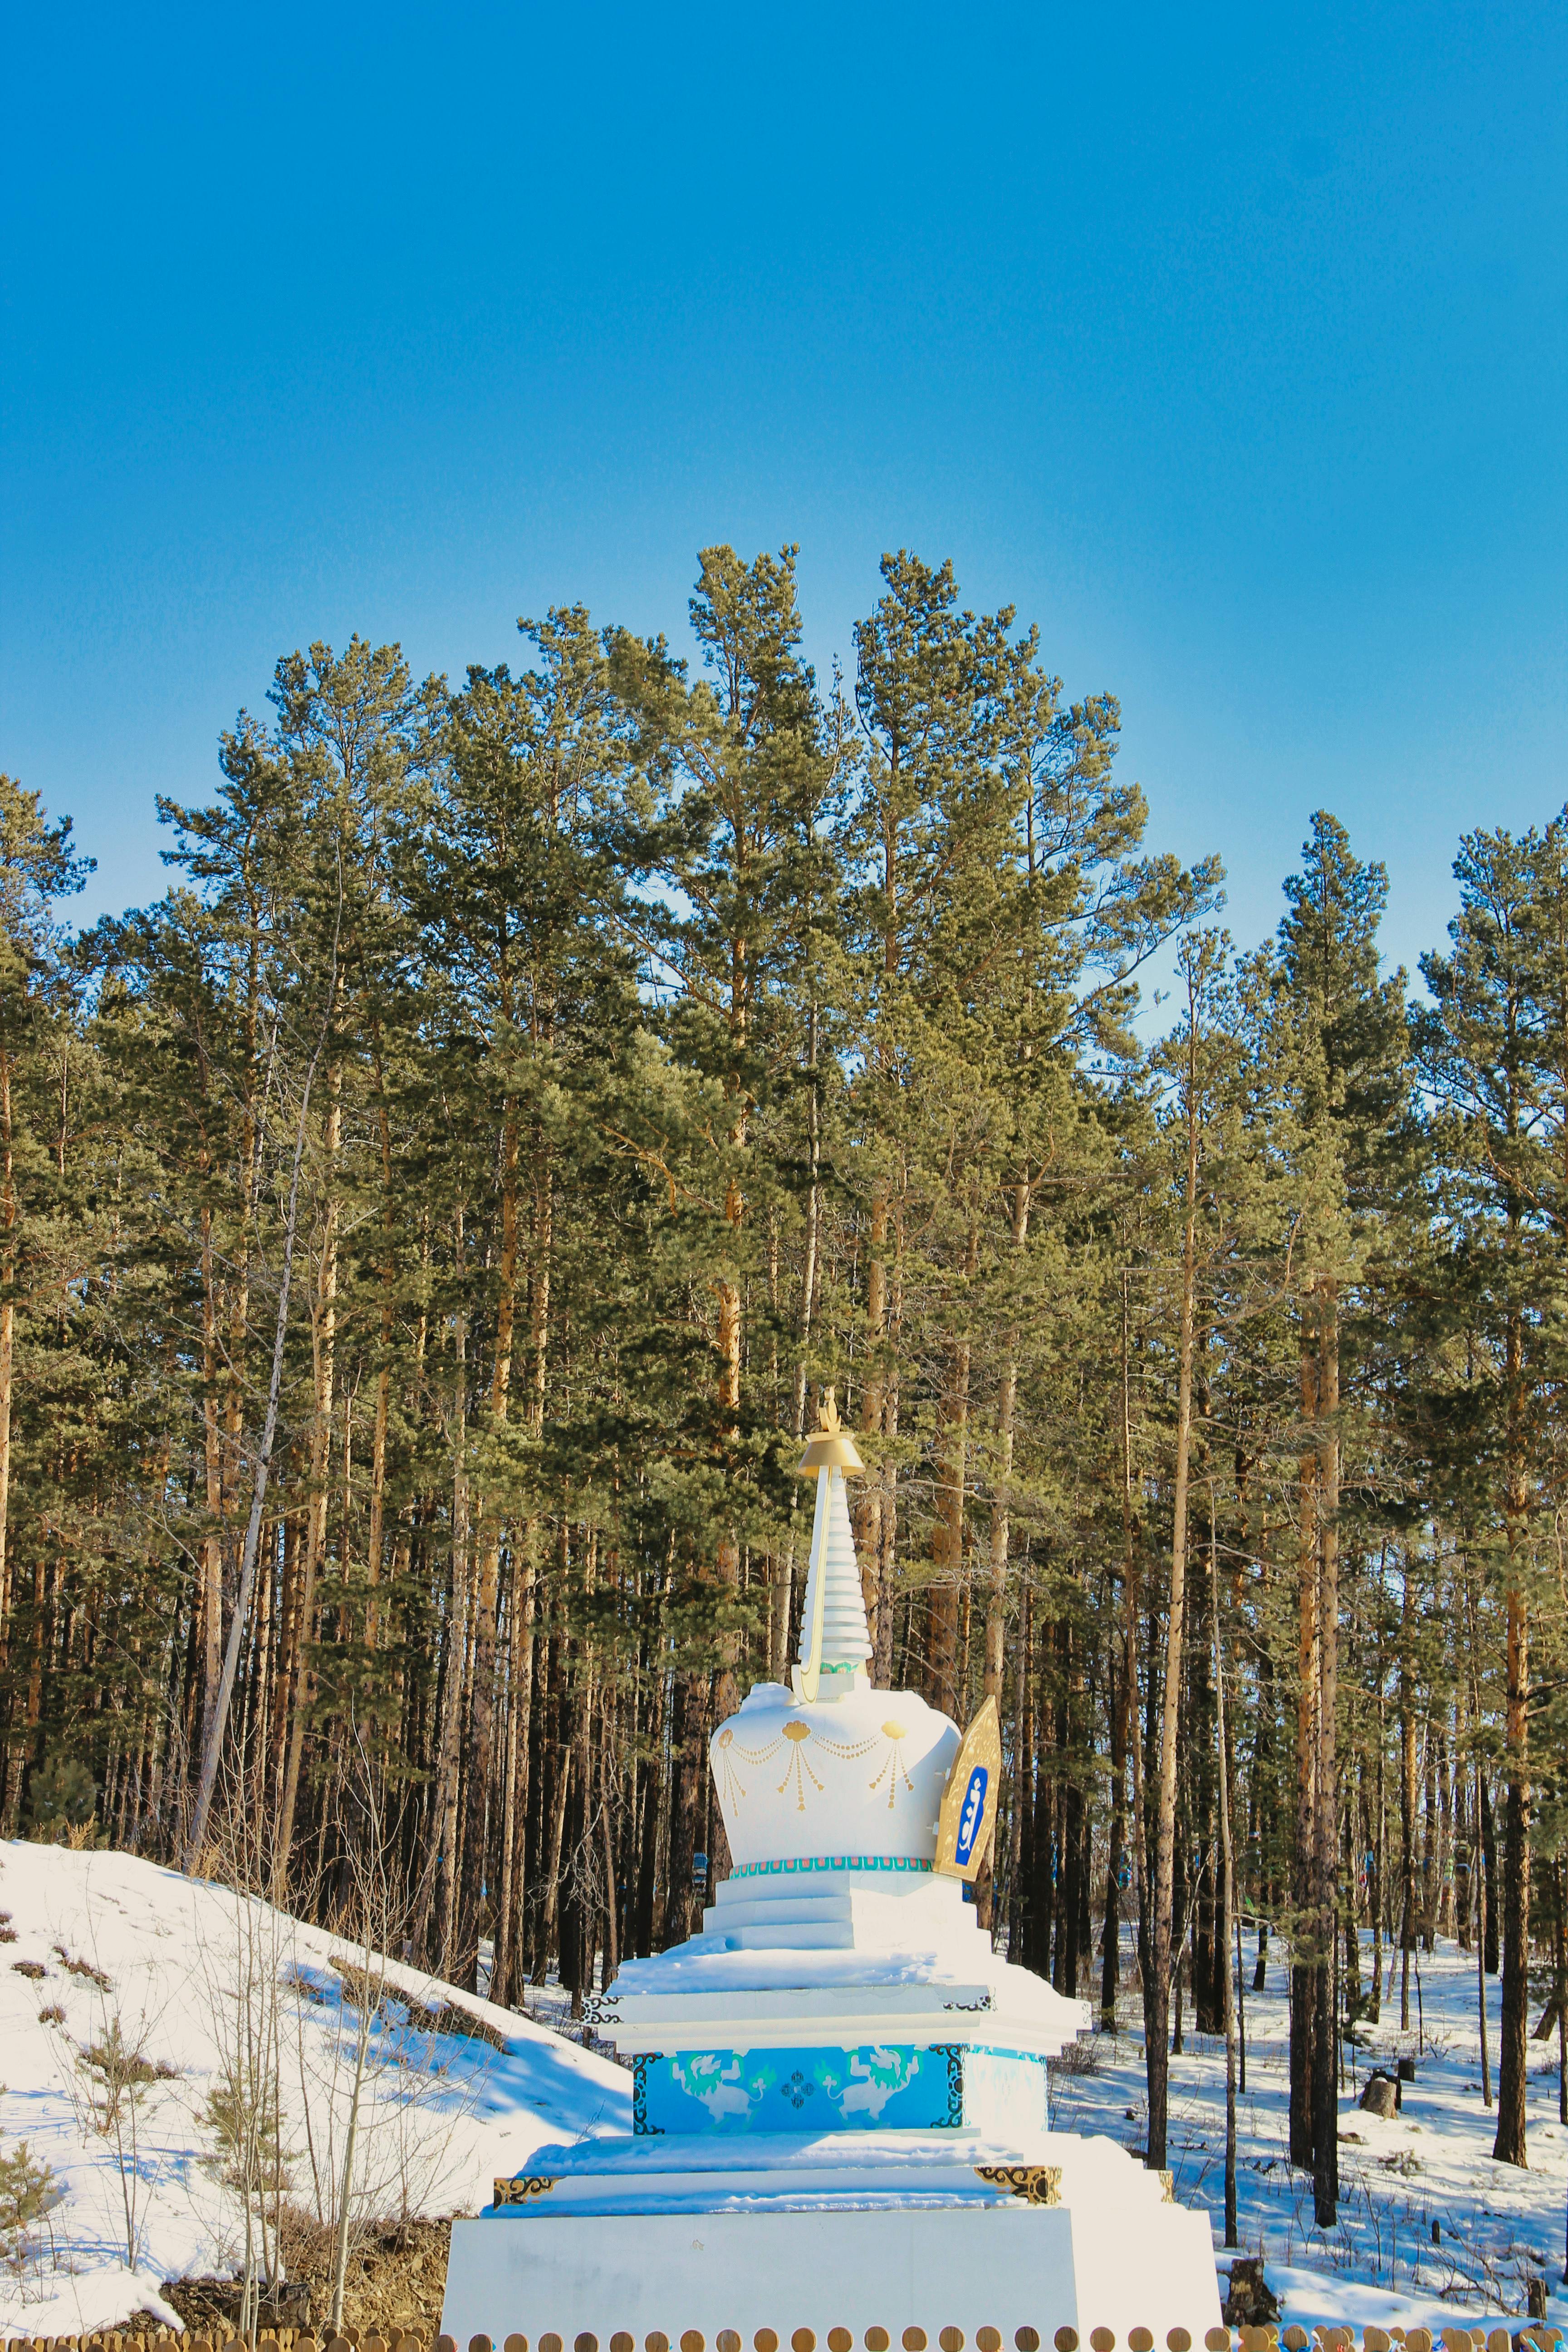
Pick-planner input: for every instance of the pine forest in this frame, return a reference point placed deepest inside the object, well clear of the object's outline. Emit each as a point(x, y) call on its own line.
point(427, 1233)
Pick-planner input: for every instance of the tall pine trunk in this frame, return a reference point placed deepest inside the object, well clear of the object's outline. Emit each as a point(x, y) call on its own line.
point(323, 1344)
point(1325, 2101)
point(951, 1472)
point(7, 1335)
point(1157, 2007)
point(1304, 1978)
point(476, 1840)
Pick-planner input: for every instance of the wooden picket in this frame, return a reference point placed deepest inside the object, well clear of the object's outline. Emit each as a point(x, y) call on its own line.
point(1533, 2337)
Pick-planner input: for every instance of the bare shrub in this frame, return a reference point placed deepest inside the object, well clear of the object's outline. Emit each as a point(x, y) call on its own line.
point(383, 2058)
point(307, 2244)
point(108, 2085)
point(1084, 2056)
point(365, 1991)
point(74, 1966)
point(112, 2078)
point(345, 2062)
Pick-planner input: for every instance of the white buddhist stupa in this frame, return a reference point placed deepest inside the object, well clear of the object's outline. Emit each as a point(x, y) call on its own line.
point(841, 2128)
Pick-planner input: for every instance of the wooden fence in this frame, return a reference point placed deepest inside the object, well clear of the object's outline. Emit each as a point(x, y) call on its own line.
point(1534, 2337)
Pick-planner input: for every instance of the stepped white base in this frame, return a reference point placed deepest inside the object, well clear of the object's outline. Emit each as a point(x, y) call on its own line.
point(1008, 2267)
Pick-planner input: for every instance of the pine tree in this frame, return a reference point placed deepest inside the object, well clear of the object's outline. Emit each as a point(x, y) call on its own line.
point(1491, 1054)
point(1348, 1050)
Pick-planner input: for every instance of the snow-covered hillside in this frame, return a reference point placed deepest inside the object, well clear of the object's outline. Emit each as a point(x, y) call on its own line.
point(103, 1952)
point(165, 1979)
point(1430, 2225)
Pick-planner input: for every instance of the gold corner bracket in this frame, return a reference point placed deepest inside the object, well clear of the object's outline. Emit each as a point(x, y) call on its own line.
point(1037, 2184)
point(523, 2190)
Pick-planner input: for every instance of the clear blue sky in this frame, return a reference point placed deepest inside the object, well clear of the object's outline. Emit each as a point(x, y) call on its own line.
point(1227, 344)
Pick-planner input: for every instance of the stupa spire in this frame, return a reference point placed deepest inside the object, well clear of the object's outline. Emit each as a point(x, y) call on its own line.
point(835, 1640)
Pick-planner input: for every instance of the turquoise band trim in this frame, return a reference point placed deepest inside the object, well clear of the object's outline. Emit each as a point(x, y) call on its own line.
point(829, 1861)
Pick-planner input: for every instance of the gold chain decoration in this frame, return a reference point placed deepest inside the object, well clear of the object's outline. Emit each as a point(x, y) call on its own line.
point(790, 1738)
point(799, 1769)
point(894, 1767)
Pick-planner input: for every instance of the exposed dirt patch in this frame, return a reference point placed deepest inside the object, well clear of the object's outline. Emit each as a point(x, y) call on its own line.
point(396, 2281)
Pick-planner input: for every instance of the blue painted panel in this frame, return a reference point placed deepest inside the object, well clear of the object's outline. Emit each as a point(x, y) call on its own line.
point(866, 2089)
point(972, 1821)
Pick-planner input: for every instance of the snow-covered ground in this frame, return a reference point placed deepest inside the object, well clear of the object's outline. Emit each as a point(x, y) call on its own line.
point(1430, 2167)
point(177, 1967)
point(180, 1967)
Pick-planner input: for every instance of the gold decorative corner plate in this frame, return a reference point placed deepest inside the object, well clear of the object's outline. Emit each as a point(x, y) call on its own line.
point(1037, 2184)
point(523, 2190)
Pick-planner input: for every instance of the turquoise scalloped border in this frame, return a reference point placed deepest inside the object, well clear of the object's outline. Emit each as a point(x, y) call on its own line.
point(829, 1861)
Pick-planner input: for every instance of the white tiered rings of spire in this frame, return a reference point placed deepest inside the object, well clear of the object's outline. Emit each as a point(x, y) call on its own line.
point(835, 1639)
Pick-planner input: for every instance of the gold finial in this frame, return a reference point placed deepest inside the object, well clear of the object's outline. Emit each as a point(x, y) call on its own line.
point(832, 1448)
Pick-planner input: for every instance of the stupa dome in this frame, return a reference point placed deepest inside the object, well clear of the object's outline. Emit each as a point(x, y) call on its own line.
point(858, 1779)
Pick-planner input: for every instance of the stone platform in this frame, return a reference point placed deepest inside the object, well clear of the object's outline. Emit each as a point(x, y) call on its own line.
point(1011, 2267)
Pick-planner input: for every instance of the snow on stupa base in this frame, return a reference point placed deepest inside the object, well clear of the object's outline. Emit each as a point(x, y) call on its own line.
point(1015, 2268)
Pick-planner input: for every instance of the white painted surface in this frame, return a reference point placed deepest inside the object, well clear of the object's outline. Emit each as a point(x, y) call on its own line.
point(731, 2171)
point(893, 2012)
point(1000, 2266)
point(833, 1582)
point(862, 1774)
point(861, 1911)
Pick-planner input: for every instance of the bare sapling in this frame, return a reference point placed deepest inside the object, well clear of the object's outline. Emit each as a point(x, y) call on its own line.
point(1226, 1877)
point(112, 2081)
point(244, 1973)
point(387, 2073)
point(372, 1982)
